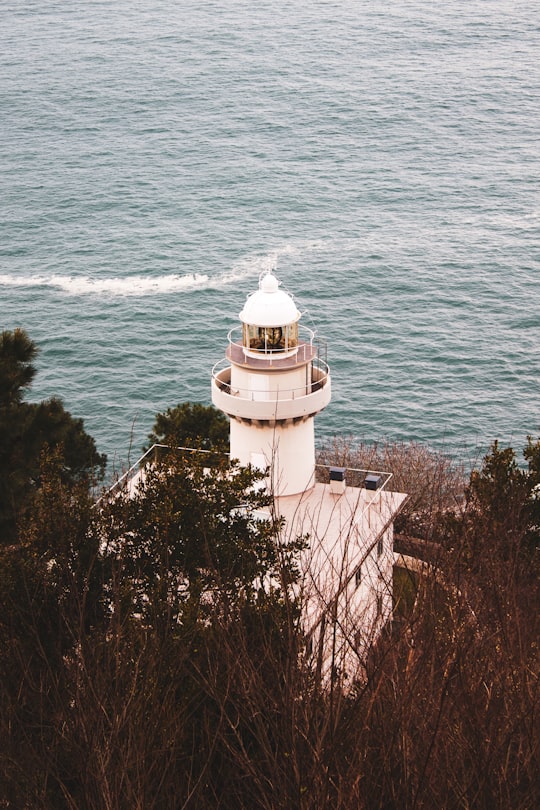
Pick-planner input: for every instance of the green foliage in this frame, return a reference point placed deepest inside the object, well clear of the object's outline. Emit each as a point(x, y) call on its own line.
point(404, 591)
point(27, 428)
point(51, 594)
point(137, 640)
point(190, 531)
point(16, 370)
point(503, 501)
point(531, 454)
point(191, 425)
point(143, 665)
point(500, 483)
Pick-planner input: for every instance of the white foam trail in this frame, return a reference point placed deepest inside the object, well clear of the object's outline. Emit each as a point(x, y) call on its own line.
point(26, 281)
point(128, 286)
point(136, 285)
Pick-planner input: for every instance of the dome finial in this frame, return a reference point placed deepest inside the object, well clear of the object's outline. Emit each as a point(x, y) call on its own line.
point(268, 283)
point(269, 273)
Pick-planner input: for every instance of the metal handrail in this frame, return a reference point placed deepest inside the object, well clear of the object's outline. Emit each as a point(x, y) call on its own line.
point(141, 462)
point(354, 476)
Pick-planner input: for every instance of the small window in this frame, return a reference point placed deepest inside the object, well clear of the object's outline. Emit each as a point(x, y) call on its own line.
point(380, 547)
point(358, 576)
point(379, 604)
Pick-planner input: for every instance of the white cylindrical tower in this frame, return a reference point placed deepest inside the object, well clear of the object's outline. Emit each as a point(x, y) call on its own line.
point(271, 383)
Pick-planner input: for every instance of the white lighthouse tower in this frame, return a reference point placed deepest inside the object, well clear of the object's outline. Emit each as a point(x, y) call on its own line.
point(271, 383)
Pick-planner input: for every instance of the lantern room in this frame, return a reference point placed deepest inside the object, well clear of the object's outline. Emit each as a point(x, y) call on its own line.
point(269, 321)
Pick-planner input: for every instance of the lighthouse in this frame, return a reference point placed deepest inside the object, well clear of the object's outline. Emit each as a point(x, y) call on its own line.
point(272, 383)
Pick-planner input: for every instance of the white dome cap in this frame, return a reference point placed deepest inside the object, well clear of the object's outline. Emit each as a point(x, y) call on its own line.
point(269, 306)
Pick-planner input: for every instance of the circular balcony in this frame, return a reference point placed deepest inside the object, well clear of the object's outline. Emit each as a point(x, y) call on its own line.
point(273, 405)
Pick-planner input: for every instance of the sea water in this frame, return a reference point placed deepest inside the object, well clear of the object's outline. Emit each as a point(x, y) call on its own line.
point(157, 156)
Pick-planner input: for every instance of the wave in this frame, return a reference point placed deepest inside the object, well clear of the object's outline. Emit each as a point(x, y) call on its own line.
point(137, 285)
point(126, 286)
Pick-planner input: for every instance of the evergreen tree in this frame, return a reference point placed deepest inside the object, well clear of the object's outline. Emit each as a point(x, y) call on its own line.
point(191, 425)
point(193, 531)
point(16, 370)
point(503, 504)
point(26, 428)
point(138, 638)
point(53, 593)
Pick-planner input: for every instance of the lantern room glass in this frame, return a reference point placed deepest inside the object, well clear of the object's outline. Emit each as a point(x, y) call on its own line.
point(270, 339)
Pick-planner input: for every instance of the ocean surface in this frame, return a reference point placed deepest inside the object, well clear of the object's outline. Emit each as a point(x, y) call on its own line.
point(157, 155)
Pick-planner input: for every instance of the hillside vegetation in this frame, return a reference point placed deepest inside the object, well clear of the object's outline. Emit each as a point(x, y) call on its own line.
point(152, 655)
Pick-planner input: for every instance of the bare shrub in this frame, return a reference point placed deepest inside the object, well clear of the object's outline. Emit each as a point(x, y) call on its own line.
point(434, 482)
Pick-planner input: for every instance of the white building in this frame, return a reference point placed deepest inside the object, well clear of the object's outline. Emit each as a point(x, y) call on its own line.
point(272, 383)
